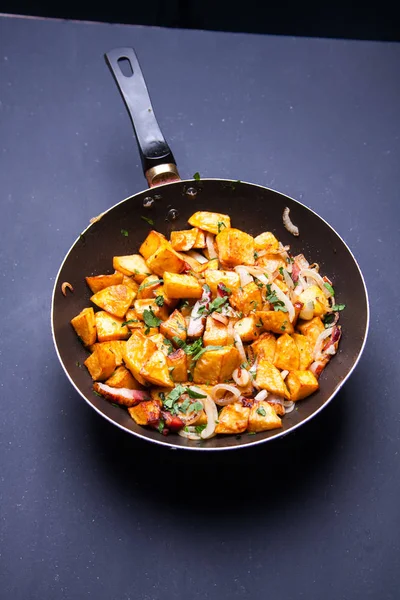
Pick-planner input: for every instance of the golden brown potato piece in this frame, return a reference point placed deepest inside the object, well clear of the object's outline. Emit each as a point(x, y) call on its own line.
point(184, 240)
point(122, 378)
point(305, 356)
point(177, 366)
point(269, 378)
point(216, 333)
point(235, 247)
point(182, 286)
point(263, 417)
point(161, 312)
point(165, 258)
point(162, 344)
point(200, 240)
point(146, 413)
point(246, 299)
point(115, 299)
point(152, 243)
point(85, 326)
point(216, 366)
point(138, 350)
point(110, 327)
point(133, 265)
point(233, 418)
point(275, 321)
point(116, 347)
point(211, 265)
point(247, 329)
point(131, 283)
point(213, 277)
point(301, 384)
point(265, 347)
point(271, 262)
point(174, 326)
point(315, 295)
point(99, 282)
point(101, 364)
point(266, 241)
point(311, 329)
point(149, 287)
point(155, 370)
point(210, 221)
point(287, 355)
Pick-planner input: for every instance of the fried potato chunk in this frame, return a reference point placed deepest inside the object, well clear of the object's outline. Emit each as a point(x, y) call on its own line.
point(214, 277)
point(85, 326)
point(301, 384)
point(215, 366)
point(149, 287)
point(155, 370)
point(271, 262)
point(184, 240)
point(210, 221)
point(116, 347)
point(99, 282)
point(161, 312)
point(233, 418)
point(246, 299)
point(200, 240)
point(247, 329)
point(174, 326)
point(178, 366)
point(165, 258)
point(275, 321)
point(109, 327)
point(152, 243)
point(216, 333)
point(182, 286)
point(115, 299)
point(235, 247)
point(266, 241)
point(131, 283)
point(311, 329)
point(263, 417)
point(265, 347)
point(101, 363)
point(122, 378)
point(305, 356)
point(269, 378)
point(146, 413)
point(287, 355)
point(315, 295)
point(132, 265)
point(138, 350)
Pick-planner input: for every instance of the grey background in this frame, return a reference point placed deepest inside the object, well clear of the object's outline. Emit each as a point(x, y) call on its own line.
point(86, 511)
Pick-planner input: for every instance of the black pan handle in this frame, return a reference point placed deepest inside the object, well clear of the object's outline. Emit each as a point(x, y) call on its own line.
point(157, 159)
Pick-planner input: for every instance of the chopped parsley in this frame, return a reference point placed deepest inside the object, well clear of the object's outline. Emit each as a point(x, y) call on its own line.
point(169, 345)
point(196, 176)
point(283, 328)
point(255, 303)
point(252, 433)
point(161, 425)
point(159, 300)
point(273, 299)
point(149, 221)
point(78, 364)
point(199, 428)
point(195, 407)
point(337, 307)
point(154, 282)
point(195, 395)
point(255, 255)
point(114, 404)
point(129, 321)
point(329, 288)
point(217, 304)
point(260, 323)
point(221, 225)
point(150, 319)
point(125, 232)
point(281, 270)
point(261, 411)
point(225, 289)
point(184, 304)
point(97, 393)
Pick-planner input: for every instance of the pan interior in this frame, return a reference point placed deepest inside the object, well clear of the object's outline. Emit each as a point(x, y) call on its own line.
point(252, 208)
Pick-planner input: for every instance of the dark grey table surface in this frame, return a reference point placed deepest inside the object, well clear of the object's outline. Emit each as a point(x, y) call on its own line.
point(87, 511)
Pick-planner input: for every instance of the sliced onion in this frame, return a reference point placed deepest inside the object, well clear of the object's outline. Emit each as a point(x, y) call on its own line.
point(259, 274)
point(307, 312)
point(231, 332)
point(241, 377)
point(288, 223)
point(210, 246)
point(243, 273)
point(212, 417)
point(220, 318)
point(261, 395)
point(284, 374)
point(261, 253)
point(312, 274)
point(319, 343)
point(239, 346)
point(197, 256)
point(301, 262)
point(190, 434)
point(318, 366)
point(283, 298)
point(288, 280)
point(289, 406)
point(225, 387)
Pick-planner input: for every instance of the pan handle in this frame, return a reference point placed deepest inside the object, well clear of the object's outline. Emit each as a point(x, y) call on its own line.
point(157, 159)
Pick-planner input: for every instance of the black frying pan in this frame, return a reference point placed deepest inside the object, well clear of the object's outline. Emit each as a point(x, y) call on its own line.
point(252, 207)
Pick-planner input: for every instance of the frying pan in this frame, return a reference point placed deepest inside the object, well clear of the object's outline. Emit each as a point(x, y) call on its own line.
point(169, 202)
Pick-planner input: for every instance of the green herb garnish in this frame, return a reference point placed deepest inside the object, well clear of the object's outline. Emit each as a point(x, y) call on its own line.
point(196, 176)
point(337, 307)
point(159, 300)
point(261, 411)
point(255, 255)
point(194, 395)
point(329, 288)
point(224, 288)
point(78, 364)
point(97, 393)
point(169, 345)
point(150, 318)
point(217, 304)
point(161, 425)
point(199, 428)
point(145, 285)
point(149, 221)
point(221, 225)
point(195, 407)
point(125, 232)
point(129, 321)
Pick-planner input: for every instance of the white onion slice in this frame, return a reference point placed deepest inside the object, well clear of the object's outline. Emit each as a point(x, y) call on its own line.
point(190, 434)
point(283, 298)
point(288, 280)
point(317, 277)
point(225, 387)
point(262, 395)
point(239, 346)
point(307, 312)
point(320, 339)
point(261, 253)
point(210, 246)
point(241, 377)
point(220, 318)
point(259, 274)
point(212, 417)
point(243, 273)
point(289, 406)
point(288, 223)
point(284, 374)
point(197, 256)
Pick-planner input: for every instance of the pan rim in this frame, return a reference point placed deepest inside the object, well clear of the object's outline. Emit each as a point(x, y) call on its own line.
point(239, 446)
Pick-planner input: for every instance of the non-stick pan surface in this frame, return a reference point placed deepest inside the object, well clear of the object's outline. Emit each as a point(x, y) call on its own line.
point(252, 208)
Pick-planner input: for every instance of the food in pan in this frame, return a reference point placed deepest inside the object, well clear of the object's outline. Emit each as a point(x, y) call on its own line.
point(211, 332)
